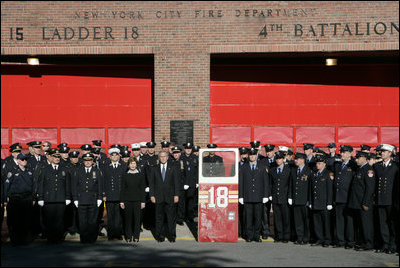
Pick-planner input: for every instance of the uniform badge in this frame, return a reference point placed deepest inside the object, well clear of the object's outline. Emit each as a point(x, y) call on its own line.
point(331, 175)
point(266, 169)
point(9, 174)
point(348, 169)
point(30, 173)
point(182, 165)
point(63, 173)
point(94, 174)
point(17, 174)
point(304, 177)
point(370, 173)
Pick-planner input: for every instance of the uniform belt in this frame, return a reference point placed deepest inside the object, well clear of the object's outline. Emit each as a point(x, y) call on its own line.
point(20, 195)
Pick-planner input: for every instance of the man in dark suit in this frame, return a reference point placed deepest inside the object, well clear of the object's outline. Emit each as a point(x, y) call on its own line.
point(280, 176)
point(299, 197)
point(253, 193)
point(387, 174)
point(310, 161)
point(87, 193)
point(53, 195)
point(270, 161)
point(321, 199)
point(344, 172)
point(112, 173)
point(164, 193)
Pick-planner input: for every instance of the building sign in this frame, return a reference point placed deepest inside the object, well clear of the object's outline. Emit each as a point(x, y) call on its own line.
point(135, 26)
point(181, 131)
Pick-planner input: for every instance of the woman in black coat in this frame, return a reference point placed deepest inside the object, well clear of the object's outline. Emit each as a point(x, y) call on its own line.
point(132, 199)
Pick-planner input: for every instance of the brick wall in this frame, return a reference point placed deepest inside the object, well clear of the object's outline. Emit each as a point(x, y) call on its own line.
point(182, 35)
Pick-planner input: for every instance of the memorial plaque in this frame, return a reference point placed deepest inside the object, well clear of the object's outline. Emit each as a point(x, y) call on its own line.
point(181, 131)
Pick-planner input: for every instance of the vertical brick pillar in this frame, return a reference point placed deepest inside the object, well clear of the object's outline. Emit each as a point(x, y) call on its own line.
point(182, 91)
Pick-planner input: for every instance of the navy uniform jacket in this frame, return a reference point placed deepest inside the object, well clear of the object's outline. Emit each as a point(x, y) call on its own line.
point(253, 185)
point(54, 186)
point(10, 165)
point(112, 180)
point(362, 188)
point(299, 186)
point(191, 173)
point(213, 166)
point(164, 191)
point(39, 167)
point(87, 188)
point(386, 179)
point(331, 161)
point(18, 182)
point(342, 182)
point(312, 164)
point(280, 184)
point(321, 190)
point(33, 163)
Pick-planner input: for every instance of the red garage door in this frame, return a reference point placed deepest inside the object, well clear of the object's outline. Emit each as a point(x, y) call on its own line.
point(291, 114)
point(110, 103)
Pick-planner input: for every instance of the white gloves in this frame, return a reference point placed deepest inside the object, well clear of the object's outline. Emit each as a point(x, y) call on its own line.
point(147, 189)
point(185, 187)
point(265, 200)
point(329, 207)
point(241, 201)
point(99, 202)
point(270, 198)
point(76, 203)
point(309, 205)
point(67, 202)
point(197, 185)
point(290, 201)
point(41, 203)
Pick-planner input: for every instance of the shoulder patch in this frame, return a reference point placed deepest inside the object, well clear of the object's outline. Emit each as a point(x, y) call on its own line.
point(370, 173)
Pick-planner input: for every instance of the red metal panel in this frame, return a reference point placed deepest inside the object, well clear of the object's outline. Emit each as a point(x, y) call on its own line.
point(75, 101)
point(81, 135)
point(244, 103)
point(231, 135)
point(128, 135)
point(24, 135)
point(315, 134)
point(4, 136)
point(4, 153)
point(357, 135)
point(390, 135)
point(273, 135)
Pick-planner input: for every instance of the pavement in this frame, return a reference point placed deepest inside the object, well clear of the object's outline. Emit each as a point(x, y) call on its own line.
point(186, 252)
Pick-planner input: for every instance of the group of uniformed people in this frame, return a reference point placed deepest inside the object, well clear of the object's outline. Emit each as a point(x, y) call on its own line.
point(324, 199)
point(60, 192)
point(317, 198)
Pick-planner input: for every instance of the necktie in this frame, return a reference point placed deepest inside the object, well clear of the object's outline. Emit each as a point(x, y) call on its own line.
point(279, 171)
point(344, 164)
point(55, 168)
point(87, 171)
point(298, 171)
point(163, 172)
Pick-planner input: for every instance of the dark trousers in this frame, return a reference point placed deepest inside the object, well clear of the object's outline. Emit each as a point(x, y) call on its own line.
point(322, 226)
point(191, 207)
point(169, 210)
point(253, 212)
point(54, 221)
point(387, 227)
point(344, 225)
point(148, 215)
point(114, 220)
point(132, 220)
point(19, 220)
point(71, 218)
point(100, 222)
point(37, 220)
point(365, 222)
point(241, 221)
point(282, 221)
point(180, 216)
point(266, 219)
point(301, 223)
point(88, 223)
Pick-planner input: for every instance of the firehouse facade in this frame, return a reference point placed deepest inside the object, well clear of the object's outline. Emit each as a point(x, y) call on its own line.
point(221, 72)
